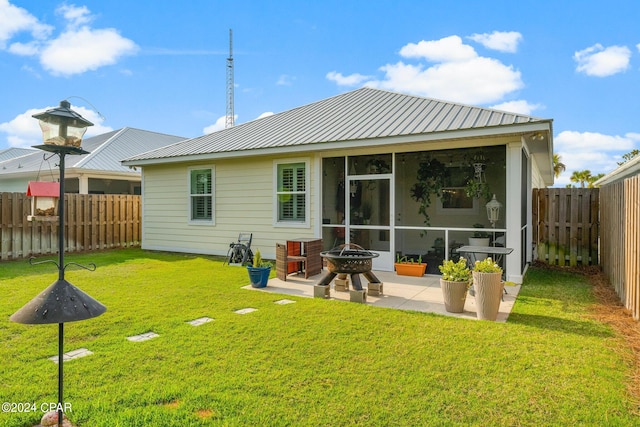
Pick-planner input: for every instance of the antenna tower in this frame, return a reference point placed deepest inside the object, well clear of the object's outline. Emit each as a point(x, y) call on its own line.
point(229, 122)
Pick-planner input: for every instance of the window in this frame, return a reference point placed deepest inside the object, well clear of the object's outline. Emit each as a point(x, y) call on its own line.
point(454, 197)
point(291, 195)
point(201, 195)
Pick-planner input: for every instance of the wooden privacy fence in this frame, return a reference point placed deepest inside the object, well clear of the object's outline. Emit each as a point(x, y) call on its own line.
point(92, 222)
point(620, 240)
point(566, 225)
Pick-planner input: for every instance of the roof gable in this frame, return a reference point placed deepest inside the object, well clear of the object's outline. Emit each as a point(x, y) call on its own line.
point(362, 114)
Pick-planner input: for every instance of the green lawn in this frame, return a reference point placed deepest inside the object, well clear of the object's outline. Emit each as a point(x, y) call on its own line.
point(312, 363)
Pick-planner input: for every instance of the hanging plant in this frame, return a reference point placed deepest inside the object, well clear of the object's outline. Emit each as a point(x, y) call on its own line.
point(430, 181)
point(477, 189)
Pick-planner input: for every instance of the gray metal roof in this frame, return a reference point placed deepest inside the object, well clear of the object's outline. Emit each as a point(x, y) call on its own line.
point(362, 114)
point(13, 152)
point(626, 170)
point(105, 153)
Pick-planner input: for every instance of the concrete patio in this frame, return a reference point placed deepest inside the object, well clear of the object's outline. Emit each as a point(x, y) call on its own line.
point(400, 292)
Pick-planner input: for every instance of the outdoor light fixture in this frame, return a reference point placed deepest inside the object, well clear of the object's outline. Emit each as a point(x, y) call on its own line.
point(493, 210)
point(62, 131)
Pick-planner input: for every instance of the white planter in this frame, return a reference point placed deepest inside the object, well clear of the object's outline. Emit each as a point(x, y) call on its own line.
point(488, 288)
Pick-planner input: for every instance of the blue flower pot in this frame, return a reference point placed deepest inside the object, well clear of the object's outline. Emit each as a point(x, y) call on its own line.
point(259, 276)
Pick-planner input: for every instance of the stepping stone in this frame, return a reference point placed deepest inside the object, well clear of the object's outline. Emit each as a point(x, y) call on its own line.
point(200, 321)
point(245, 310)
point(143, 337)
point(75, 354)
point(284, 301)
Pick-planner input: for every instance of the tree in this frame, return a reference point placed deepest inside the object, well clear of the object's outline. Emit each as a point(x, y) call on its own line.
point(581, 176)
point(558, 166)
point(630, 155)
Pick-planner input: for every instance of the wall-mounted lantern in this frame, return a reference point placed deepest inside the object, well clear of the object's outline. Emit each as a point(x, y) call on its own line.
point(44, 200)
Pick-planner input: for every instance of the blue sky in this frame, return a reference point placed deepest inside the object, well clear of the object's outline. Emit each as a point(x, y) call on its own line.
point(161, 65)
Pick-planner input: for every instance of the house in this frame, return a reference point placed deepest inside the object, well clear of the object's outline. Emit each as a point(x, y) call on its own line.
point(99, 172)
point(387, 171)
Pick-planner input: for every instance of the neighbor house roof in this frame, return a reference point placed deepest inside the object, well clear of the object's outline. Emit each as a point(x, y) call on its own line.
point(364, 116)
point(105, 153)
point(13, 152)
point(626, 170)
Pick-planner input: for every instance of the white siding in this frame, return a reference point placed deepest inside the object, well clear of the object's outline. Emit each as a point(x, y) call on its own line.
point(243, 203)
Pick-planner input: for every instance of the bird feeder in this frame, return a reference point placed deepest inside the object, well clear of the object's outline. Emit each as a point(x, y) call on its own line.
point(62, 126)
point(44, 200)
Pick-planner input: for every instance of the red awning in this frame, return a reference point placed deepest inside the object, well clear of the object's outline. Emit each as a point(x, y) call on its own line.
point(43, 189)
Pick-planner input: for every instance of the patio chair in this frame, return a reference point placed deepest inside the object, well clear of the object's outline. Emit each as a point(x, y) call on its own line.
point(239, 252)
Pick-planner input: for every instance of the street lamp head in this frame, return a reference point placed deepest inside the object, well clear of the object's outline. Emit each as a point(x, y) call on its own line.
point(62, 126)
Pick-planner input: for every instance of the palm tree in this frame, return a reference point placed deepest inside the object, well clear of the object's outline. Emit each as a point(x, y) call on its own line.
point(558, 166)
point(581, 177)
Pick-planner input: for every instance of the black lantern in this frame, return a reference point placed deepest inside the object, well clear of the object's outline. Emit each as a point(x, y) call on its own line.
point(62, 126)
point(62, 130)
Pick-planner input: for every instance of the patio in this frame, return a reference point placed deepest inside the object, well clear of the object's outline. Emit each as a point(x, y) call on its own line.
point(400, 292)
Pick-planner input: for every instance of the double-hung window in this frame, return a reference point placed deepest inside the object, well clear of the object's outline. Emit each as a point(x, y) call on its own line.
point(292, 193)
point(201, 206)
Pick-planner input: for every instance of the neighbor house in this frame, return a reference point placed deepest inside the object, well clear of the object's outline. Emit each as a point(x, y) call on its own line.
point(99, 172)
point(398, 174)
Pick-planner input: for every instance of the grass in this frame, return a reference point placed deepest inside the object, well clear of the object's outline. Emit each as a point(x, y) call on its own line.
point(312, 363)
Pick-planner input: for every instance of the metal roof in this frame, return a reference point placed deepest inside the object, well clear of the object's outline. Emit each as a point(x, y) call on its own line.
point(361, 115)
point(105, 153)
point(13, 152)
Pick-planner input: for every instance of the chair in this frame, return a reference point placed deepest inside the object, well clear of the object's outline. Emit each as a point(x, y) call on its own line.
point(239, 252)
point(284, 259)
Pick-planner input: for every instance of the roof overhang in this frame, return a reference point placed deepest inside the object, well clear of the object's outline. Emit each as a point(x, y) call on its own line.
point(626, 170)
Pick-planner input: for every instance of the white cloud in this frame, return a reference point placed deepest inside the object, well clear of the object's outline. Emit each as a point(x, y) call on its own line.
point(14, 20)
point(448, 49)
point(75, 52)
point(218, 125)
point(599, 61)
point(520, 107)
point(285, 80)
point(458, 74)
point(24, 131)
point(596, 152)
point(475, 81)
point(503, 41)
point(265, 114)
point(79, 48)
point(75, 15)
point(350, 80)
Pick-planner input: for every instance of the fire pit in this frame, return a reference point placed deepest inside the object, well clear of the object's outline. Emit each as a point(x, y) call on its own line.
point(349, 259)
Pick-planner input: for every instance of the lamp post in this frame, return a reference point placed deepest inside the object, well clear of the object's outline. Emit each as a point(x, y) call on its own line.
point(61, 302)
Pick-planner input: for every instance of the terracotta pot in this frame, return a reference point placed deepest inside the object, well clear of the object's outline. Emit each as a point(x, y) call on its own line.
point(455, 295)
point(488, 289)
point(411, 269)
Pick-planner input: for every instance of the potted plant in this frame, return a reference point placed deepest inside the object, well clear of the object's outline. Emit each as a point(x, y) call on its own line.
point(408, 267)
point(260, 271)
point(488, 287)
point(455, 281)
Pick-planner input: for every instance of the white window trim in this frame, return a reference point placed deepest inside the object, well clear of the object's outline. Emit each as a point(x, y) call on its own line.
point(190, 219)
point(307, 201)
